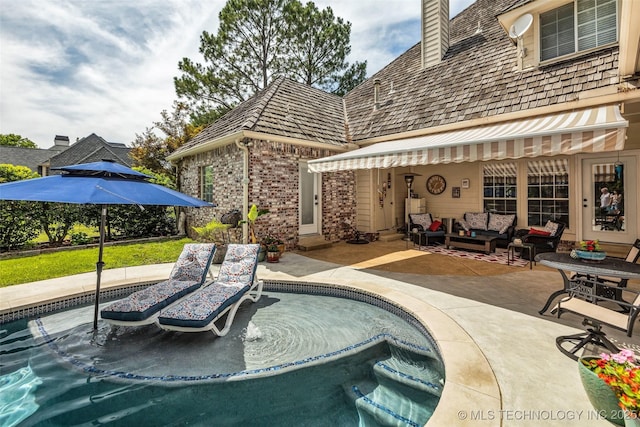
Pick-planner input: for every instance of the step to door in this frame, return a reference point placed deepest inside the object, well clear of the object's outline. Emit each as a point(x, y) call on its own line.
point(313, 242)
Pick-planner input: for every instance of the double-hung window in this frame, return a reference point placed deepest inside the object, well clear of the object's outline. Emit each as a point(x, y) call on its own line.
point(206, 183)
point(578, 26)
point(499, 187)
point(547, 191)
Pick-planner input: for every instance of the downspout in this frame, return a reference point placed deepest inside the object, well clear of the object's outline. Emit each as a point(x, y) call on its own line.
point(245, 190)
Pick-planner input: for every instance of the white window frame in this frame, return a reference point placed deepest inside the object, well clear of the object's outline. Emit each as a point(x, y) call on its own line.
point(548, 186)
point(500, 179)
point(577, 26)
point(206, 183)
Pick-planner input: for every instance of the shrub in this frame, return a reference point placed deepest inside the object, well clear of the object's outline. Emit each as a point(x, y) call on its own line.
point(80, 238)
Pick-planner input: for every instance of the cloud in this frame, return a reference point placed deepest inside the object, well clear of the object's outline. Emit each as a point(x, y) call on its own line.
point(80, 67)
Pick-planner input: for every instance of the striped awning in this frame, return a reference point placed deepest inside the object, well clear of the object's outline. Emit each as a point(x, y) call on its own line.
point(604, 172)
point(548, 167)
point(592, 130)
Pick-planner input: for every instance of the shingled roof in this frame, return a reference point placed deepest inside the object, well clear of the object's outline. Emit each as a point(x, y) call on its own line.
point(92, 148)
point(477, 78)
point(284, 108)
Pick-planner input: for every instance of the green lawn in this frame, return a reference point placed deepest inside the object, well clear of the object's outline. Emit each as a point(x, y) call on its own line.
point(77, 228)
point(47, 266)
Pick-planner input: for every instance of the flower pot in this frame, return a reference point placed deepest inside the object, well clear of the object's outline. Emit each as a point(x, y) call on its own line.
point(602, 398)
point(262, 254)
point(632, 421)
point(273, 256)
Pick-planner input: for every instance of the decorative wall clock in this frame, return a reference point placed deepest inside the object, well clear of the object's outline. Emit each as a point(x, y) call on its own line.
point(436, 184)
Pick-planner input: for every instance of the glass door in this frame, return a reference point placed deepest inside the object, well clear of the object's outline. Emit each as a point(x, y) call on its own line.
point(608, 199)
point(309, 200)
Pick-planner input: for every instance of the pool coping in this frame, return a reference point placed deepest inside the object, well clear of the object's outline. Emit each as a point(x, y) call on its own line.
point(470, 380)
point(471, 384)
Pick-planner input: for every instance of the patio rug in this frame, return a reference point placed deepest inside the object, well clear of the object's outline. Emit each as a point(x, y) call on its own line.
point(499, 257)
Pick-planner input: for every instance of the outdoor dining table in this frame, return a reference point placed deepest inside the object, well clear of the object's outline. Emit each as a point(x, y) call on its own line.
point(608, 267)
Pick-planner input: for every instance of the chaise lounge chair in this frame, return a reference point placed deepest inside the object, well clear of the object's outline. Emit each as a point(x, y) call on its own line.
point(236, 283)
point(142, 308)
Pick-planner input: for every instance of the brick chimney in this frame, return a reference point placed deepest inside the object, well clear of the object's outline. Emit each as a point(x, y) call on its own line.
point(435, 31)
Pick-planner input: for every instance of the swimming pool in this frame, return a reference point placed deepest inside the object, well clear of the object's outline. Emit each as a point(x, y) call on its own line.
point(291, 359)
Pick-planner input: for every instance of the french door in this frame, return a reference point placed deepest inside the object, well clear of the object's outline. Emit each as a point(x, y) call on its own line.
point(609, 199)
point(310, 203)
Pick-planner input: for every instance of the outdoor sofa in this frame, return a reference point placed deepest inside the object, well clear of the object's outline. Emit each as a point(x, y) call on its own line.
point(489, 224)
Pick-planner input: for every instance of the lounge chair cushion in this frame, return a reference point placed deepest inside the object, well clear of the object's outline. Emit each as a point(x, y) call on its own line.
point(235, 278)
point(188, 274)
point(239, 265)
point(142, 304)
point(199, 309)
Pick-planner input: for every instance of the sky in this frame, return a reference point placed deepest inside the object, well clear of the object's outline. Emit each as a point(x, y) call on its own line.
point(76, 67)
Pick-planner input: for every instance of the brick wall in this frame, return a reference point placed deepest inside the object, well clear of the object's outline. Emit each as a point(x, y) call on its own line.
point(227, 187)
point(274, 185)
point(338, 204)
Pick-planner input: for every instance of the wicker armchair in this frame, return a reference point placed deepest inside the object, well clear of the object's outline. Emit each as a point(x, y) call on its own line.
point(542, 243)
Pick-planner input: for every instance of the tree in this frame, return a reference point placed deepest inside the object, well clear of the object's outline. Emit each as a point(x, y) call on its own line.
point(259, 40)
point(14, 140)
point(17, 223)
point(150, 150)
point(317, 50)
point(56, 219)
point(133, 220)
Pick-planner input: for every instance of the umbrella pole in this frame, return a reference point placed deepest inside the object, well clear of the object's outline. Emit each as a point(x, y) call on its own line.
point(99, 266)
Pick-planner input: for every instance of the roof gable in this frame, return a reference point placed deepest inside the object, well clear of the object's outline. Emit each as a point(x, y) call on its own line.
point(92, 148)
point(284, 108)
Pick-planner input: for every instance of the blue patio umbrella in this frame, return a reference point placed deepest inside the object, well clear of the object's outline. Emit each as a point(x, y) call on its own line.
point(99, 183)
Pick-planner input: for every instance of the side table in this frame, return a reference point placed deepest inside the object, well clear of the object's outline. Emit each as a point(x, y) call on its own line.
point(418, 237)
point(530, 247)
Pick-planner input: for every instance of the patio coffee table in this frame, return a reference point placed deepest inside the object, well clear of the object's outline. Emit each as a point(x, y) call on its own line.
point(480, 242)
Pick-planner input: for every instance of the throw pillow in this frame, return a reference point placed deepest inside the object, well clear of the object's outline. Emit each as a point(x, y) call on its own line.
point(500, 223)
point(464, 225)
point(476, 220)
point(424, 220)
point(435, 225)
point(537, 232)
point(551, 227)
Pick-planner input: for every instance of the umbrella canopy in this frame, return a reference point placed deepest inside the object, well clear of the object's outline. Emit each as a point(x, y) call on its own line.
point(100, 183)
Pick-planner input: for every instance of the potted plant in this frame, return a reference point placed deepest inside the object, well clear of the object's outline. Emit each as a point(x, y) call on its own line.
point(214, 231)
point(274, 246)
point(252, 216)
point(621, 376)
point(273, 254)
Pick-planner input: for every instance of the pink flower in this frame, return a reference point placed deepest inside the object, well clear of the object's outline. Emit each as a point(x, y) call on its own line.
point(622, 357)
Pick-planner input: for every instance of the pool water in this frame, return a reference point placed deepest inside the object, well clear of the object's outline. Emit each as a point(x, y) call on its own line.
point(290, 359)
